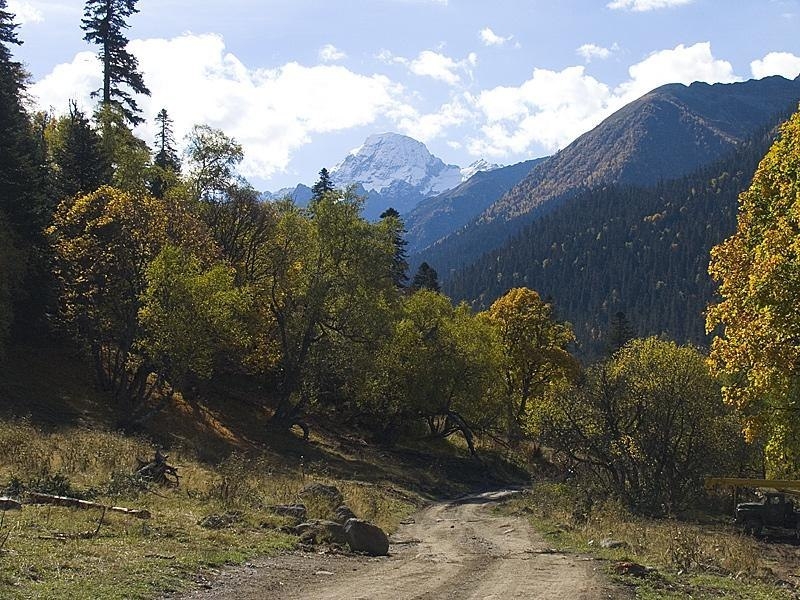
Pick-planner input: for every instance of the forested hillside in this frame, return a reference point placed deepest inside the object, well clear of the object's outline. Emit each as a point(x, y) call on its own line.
point(667, 133)
point(640, 251)
point(437, 217)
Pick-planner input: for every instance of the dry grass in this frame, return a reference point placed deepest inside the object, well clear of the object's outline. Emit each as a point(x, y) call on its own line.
point(693, 559)
point(46, 555)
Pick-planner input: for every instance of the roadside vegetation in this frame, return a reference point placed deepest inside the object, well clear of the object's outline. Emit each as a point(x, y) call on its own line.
point(693, 555)
point(150, 303)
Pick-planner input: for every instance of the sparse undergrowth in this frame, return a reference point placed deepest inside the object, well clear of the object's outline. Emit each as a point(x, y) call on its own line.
point(689, 559)
point(50, 552)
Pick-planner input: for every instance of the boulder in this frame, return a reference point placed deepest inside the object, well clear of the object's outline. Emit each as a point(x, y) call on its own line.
point(295, 511)
point(321, 531)
point(365, 537)
point(633, 569)
point(343, 514)
point(222, 521)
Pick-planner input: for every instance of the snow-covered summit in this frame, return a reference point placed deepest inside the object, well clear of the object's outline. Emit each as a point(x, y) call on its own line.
point(388, 159)
point(476, 167)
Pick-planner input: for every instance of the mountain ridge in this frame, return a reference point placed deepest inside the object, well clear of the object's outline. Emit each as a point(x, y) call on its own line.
point(670, 131)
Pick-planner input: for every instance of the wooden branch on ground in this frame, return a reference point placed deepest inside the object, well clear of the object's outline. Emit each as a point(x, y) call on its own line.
point(37, 498)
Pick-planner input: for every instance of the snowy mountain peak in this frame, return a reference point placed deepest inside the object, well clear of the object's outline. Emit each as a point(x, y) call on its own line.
point(476, 167)
point(389, 160)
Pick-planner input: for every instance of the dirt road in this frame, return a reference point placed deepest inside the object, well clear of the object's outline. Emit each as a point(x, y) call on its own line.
point(452, 550)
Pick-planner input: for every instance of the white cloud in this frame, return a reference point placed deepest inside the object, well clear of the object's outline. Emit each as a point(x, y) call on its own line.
point(776, 63)
point(552, 108)
point(645, 5)
point(429, 126)
point(490, 38)
point(682, 64)
point(330, 53)
point(272, 112)
point(25, 12)
point(591, 51)
point(440, 67)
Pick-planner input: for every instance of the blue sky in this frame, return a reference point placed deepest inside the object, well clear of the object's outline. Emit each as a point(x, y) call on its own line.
point(300, 83)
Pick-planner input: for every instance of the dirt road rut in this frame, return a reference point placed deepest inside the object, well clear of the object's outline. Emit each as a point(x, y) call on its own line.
point(451, 550)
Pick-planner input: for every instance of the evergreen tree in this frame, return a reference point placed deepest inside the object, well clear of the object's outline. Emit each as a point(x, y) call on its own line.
point(322, 186)
point(620, 333)
point(426, 278)
point(103, 23)
point(24, 202)
point(78, 153)
point(18, 174)
point(166, 155)
point(391, 218)
point(166, 159)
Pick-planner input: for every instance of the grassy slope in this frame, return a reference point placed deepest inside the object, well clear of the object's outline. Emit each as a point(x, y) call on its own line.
point(693, 558)
point(56, 433)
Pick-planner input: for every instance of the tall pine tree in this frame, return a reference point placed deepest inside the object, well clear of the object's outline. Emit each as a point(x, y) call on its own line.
point(166, 155)
point(77, 149)
point(391, 219)
point(166, 158)
point(103, 23)
point(323, 186)
point(426, 278)
point(24, 204)
point(18, 172)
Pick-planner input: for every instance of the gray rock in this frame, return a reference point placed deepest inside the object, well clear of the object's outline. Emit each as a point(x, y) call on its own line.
point(609, 543)
point(343, 514)
point(330, 494)
point(295, 511)
point(320, 531)
point(222, 521)
point(366, 537)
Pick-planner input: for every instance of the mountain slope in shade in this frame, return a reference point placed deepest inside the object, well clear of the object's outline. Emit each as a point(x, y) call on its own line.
point(436, 217)
point(668, 132)
point(642, 251)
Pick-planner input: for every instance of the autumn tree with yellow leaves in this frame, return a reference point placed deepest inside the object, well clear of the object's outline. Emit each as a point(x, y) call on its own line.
point(757, 348)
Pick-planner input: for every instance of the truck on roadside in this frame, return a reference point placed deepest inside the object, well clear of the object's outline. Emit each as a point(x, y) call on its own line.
point(775, 510)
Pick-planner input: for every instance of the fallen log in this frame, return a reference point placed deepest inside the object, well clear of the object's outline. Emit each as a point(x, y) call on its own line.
point(9, 504)
point(38, 498)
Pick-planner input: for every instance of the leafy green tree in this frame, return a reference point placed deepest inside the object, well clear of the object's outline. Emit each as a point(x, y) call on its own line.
point(648, 425)
point(319, 285)
point(391, 219)
point(190, 313)
point(129, 155)
point(440, 366)
point(534, 349)
point(426, 278)
point(81, 164)
point(104, 243)
point(757, 347)
point(241, 226)
point(103, 23)
point(213, 157)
